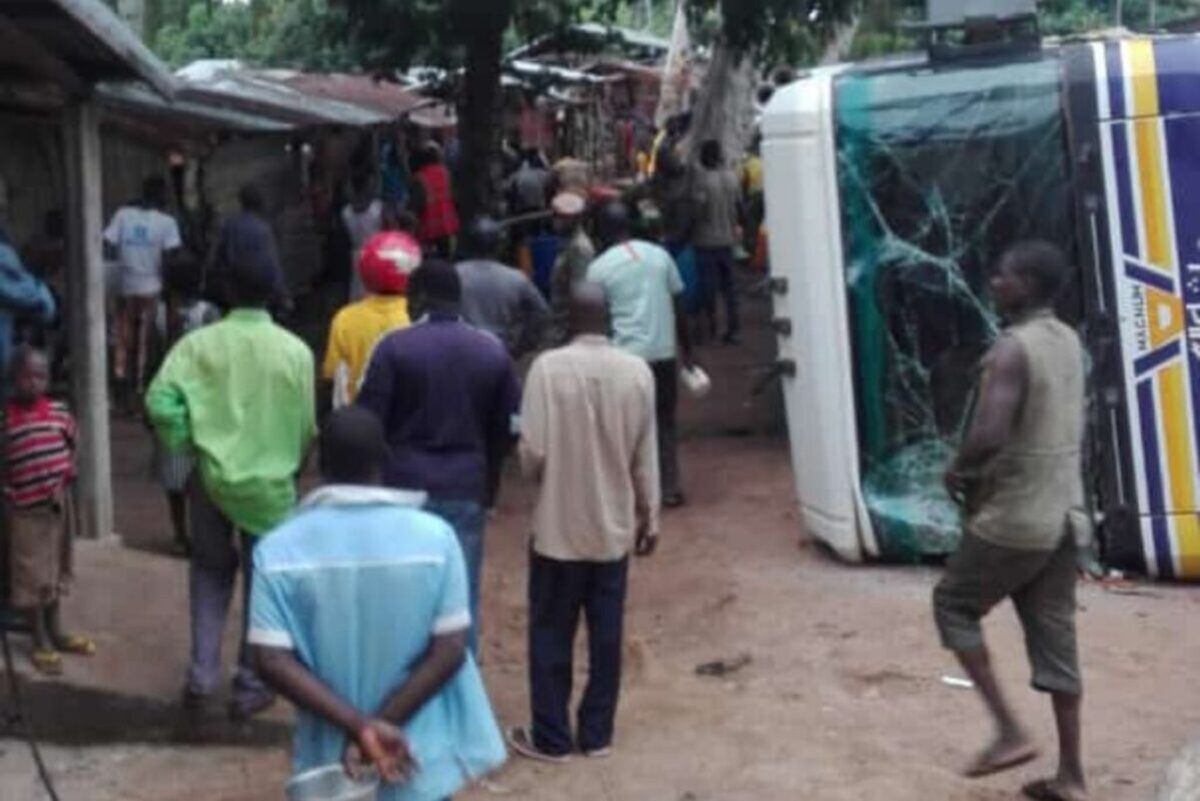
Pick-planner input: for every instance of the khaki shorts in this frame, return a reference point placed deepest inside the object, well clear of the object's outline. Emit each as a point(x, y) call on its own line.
point(35, 552)
point(1042, 586)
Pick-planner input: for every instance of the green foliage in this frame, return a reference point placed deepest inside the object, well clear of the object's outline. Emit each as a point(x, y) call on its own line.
point(327, 34)
point(227, 31)
point(1075, 16)
point(282, 33)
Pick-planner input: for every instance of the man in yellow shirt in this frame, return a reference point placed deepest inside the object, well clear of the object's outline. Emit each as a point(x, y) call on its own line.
point(386, 262)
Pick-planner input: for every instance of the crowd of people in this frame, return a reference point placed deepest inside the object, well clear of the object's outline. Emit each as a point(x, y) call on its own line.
point(364, 594)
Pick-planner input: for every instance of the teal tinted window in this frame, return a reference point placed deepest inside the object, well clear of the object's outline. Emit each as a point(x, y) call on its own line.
point(939, 171)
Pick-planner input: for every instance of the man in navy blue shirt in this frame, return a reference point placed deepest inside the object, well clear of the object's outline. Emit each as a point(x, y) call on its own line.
point(448, 397)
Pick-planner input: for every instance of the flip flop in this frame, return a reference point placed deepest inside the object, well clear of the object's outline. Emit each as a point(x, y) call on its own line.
point(1045, 790)
point(520, 740)
point(986, 765)
point(47, 662)
point(77, 645)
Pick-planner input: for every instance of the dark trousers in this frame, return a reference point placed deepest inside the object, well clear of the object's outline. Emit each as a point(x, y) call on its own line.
point(715, 269)
point(558, 592)
point(666, 400)
point(216, 555)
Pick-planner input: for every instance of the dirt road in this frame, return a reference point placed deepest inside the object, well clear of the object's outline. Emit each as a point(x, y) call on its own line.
point(842, 699)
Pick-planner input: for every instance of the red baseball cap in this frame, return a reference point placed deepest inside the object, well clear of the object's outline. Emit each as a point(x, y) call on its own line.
point(386, 262)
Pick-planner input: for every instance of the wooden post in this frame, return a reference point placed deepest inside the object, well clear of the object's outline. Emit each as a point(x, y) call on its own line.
point(85, 316)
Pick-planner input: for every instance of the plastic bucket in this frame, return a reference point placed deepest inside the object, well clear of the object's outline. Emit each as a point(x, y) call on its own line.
point(331, 783)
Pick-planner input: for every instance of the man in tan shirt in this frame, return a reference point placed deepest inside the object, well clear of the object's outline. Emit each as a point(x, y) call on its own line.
point(588, 435)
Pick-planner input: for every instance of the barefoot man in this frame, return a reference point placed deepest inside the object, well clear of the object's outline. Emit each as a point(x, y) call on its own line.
point(1018, 475)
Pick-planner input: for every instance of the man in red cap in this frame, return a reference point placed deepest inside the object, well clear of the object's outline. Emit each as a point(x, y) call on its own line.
point(384, 265)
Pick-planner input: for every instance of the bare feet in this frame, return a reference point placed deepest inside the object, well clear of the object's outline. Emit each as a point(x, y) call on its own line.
point(1055, 790)
point(1009, 751)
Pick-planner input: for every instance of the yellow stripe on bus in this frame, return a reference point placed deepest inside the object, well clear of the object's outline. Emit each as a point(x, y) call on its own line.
point(1149, 144)
point(1177, 441)
point(1143, 73)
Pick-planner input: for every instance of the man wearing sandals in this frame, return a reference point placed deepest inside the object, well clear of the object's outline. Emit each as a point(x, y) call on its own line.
point(40, 466)
point(588, 435)
point(1018, 474)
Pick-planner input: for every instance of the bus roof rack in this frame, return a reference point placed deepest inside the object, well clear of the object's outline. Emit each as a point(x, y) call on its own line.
point(964, 30)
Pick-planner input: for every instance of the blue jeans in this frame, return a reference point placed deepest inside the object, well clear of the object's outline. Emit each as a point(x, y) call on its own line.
point(468, 519)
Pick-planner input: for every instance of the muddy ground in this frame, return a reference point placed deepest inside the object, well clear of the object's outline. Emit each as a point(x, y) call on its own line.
point(842, 698)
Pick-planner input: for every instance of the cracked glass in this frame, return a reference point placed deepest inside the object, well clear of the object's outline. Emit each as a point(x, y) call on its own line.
point(939, 170)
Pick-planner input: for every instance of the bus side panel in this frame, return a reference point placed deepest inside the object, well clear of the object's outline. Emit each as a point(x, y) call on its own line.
point(806, 251)
point(1152, 177)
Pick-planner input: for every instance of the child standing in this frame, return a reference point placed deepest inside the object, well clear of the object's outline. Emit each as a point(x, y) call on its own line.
point(40, 466)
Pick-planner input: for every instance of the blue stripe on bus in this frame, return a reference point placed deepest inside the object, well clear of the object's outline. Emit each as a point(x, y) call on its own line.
point(1150, 278)
point(1155, 358)
point(1175, 61)
point(1116, 80)
point(1120, 143)
point(1154, 487)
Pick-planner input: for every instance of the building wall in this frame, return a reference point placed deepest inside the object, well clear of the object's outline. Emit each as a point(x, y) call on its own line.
point(32, 171)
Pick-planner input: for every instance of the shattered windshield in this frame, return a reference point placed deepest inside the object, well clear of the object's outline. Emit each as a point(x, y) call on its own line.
point(939, 171)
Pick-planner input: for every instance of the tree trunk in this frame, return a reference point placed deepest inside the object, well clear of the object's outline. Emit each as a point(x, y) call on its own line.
point(843, 39)
point(725, 108)
point(479, 120)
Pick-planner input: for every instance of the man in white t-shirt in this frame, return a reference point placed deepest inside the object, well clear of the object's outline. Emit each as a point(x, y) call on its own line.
point(363, 218)
point(138, 238)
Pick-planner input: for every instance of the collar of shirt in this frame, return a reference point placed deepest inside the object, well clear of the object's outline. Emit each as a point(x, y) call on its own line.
point(246, 315)
point(440, 317)
point(39, 408)
point(591, 339)
point(362, 495)
point(381, 300)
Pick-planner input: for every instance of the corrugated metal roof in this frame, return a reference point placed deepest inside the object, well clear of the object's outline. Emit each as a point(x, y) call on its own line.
point(596, 35)
point(362, 90)
point(136, 100)
point(87, 37)
point(229, 86)
point(307, 99)
point(537, 69)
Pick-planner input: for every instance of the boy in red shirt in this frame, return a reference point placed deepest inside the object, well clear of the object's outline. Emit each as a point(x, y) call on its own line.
point(39, 442)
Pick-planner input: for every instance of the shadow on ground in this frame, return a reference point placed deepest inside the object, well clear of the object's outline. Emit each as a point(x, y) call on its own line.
point(62, 714)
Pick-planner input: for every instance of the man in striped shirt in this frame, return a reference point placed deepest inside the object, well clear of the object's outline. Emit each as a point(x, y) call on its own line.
point(40, 465)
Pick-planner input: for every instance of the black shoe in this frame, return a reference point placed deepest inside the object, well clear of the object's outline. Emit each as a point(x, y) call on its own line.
point(673, 500)
point(242, 708)
point(195, 701)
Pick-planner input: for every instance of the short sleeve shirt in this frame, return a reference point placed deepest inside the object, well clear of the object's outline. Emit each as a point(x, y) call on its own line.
point(356, 584)
point(355, 331)
point(141, 236)
point(642, 281)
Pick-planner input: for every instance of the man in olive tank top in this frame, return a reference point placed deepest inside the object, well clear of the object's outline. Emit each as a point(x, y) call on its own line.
point(1018, 475)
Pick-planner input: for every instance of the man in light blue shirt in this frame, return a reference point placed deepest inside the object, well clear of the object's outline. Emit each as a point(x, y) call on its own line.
point(359, 615)
point(644, 292)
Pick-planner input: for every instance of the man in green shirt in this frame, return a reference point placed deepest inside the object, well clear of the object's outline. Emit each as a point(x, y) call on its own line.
point(240, 394)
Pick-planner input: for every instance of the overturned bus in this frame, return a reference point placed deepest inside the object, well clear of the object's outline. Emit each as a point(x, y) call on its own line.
point(892, 189)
